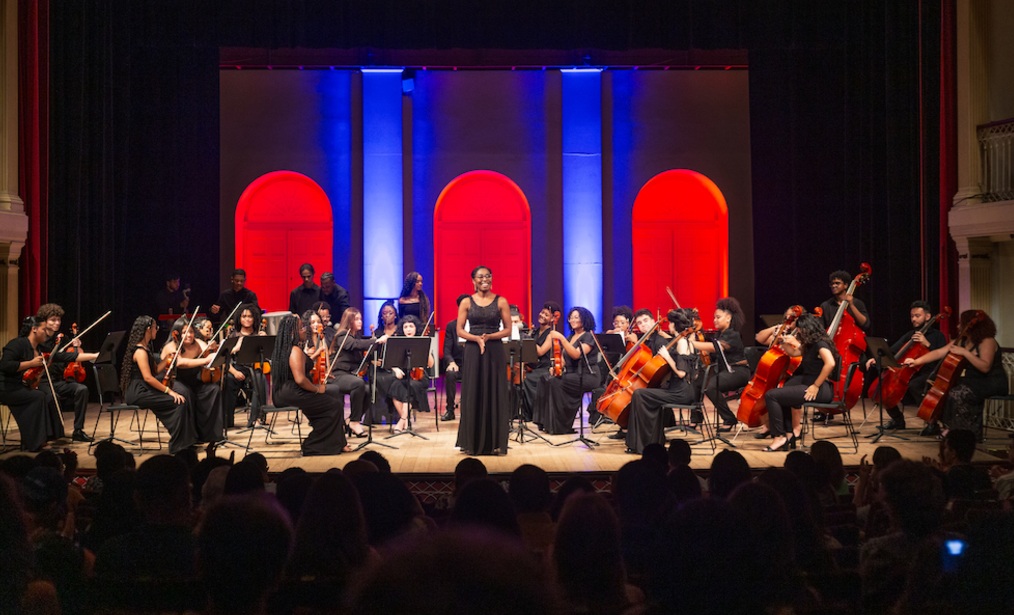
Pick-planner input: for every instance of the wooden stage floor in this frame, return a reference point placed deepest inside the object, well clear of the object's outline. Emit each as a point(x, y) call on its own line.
point(436, 455)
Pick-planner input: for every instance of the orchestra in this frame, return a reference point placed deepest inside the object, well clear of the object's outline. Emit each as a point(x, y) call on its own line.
point(675, 361)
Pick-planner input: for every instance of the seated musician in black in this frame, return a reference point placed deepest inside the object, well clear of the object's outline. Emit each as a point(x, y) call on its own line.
point(71, 394)
point(643, 323)
point(730, 370)
point(646, 419)
point(541, 369)
point(920, 313)
point(453, 353)
point(349, 348)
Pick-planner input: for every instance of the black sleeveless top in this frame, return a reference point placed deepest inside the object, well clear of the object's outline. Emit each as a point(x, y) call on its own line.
point(484, 319)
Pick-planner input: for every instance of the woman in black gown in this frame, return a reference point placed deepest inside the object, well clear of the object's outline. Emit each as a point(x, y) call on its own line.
point(141, 388)
point(413, 300)
point(485, 412)
point(730, 370)
point(558, 400)
point(323, 404)
point(204, 397)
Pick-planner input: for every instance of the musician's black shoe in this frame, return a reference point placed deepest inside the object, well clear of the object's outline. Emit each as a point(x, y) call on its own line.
point(448, 416)
point(893, 424)
point(80, 436)
point(819, 417)
point(931, 429)
point(620, 434)
point(725, 428)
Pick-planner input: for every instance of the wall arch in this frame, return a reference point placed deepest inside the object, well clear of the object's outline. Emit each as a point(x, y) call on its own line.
point(680, 233)
point(481, 218)
point(283, 219)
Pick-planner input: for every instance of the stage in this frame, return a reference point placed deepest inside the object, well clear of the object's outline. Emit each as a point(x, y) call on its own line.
point(435, 455)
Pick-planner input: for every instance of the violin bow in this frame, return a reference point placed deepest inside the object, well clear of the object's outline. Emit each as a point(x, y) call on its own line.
point(179, 345)
point(45, 366)
point(88, 328)
point(334, 360)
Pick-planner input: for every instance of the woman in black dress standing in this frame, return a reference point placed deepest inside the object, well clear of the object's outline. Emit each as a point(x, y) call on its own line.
point(485, 413)
point(141, 388)
point(413, 300)
point(323, 404)
point(558, 400)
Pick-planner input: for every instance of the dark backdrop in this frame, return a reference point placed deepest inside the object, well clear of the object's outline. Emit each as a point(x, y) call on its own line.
point(838, 127)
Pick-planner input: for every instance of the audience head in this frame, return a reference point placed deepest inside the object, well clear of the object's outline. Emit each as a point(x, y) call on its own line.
point(378, 460)
point(684, 484)
point(884, 456)
point(244, 477)
point(656, 455)
point(914, 497)
point(242, 546)
point(639, 492)
point(162, 490)
point(679, 453)
point(528, 489)
point(728, 470)
point(483, 503)
point(958, 446)
point(292, 486)
point(574, 484)
point(467, 470)
point(330, 540)
point(388, 506)
point(827, 458)
point(360, 466)
point(586, 555)
point(44, 495)
point(214, 486)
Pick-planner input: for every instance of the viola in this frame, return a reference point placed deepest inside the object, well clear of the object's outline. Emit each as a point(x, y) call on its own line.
point(556, 367)
point(769, 374)
point(892, 387)
point(850, 341)
point(210, 375)
point(33, 376)
point(74, 370)
point(949, 370)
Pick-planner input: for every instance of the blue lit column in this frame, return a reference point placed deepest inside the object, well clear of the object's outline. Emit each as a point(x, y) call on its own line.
point(382, 189)
point(582, 190)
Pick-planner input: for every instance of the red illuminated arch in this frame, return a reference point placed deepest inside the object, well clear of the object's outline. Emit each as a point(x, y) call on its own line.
point(681, 239)
point(481, 218)
point(283, 219)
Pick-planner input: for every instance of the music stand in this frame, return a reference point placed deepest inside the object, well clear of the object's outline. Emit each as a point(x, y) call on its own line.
point(373, 401)
point(221, 356)
point(611, 344)
point(884, 358)
point(110, 346)
point(521, 352)
point(254, 349)
point(406, 353)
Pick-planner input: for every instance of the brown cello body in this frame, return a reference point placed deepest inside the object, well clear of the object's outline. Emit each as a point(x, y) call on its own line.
point(949, 370)
point(615, 402)
point(770, 372)
point(894, 384)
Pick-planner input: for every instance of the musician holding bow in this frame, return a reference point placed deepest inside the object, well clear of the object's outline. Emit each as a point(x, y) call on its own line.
point(69, 392)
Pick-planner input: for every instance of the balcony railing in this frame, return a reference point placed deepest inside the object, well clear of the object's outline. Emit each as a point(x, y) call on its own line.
point(997, 142)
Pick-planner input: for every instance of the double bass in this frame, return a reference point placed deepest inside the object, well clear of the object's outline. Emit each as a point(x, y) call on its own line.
point(892, 387)
point(949, 370)
point(850, 341)
point(769, 374)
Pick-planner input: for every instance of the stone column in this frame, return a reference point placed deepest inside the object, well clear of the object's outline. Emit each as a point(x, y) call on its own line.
point(972, 94)
point(13, 221)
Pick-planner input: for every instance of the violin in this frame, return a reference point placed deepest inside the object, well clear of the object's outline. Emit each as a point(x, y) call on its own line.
point(850, 341)
point(363, 367)
point(894, 384)
point(319, 370)
point(769, 374)
point(210, 375)
point(74, 370)
point(172, 359)
point(949, 370)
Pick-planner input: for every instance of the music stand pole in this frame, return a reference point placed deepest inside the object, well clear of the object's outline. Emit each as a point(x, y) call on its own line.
point(404, 344)
point(369, 426)
point(261, 341)
point(717, 435)
point(580, 413)
point(520, 425)
point(881, 432)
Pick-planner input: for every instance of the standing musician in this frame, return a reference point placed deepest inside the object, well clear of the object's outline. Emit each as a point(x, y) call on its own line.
point(348, 349)
point(246, 323)
point(840, 281)
point(30, 406)
point(170, 299)
point(204, 397)
point(647, 421)
point(731, 370)
point(919, 313)
point(236, 294)
point(982, 377)
point(541, 370)
point(407, 387)
point(336, 297)
point(68, 390)
point(413, 300)
point(812, 380)
point(559, 399)
point(306, 294)
point(291, 386)
point(453, 354)
point(323, 311)
point(141, 388)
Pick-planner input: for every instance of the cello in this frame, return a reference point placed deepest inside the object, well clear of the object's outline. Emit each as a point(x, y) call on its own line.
point(769, 374)
point(892, 387)
point(850, 341)
point(950, 368)
point(614, 403)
